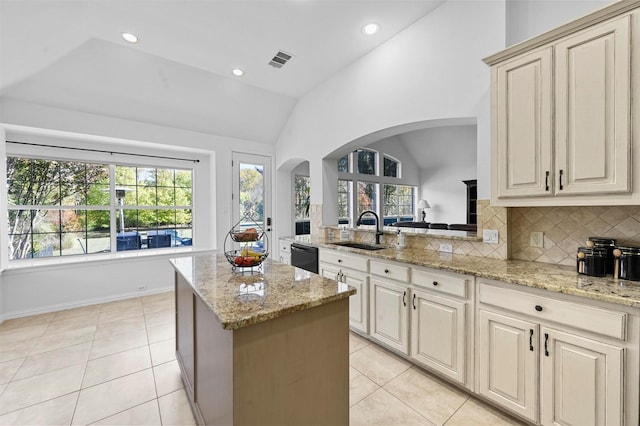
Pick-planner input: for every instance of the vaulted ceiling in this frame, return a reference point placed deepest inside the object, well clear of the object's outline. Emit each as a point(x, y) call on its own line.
point(69, 54)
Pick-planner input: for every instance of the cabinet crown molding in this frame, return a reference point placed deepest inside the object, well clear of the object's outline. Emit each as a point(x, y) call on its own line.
point(600, 15)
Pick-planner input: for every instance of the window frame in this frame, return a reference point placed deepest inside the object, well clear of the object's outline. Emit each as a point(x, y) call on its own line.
point(49, 153)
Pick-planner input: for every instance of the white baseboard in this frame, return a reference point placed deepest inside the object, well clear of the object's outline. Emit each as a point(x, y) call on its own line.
point(78, 304)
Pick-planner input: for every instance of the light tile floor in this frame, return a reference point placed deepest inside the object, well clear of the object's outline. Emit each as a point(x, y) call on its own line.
point(114, 364)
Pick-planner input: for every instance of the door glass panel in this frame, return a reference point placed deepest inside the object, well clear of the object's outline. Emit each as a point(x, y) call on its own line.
point(252, 193)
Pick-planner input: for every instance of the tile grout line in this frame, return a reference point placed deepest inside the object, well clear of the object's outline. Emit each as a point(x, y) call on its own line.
point(457, 409)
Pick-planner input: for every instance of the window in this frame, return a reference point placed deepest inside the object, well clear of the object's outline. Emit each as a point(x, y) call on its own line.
point(302, 194)
point(398, 202)
point(391, 167)
point(367, 195)
point(343, 164)
point(344, 197)
point(366, 161)
point(63, 208)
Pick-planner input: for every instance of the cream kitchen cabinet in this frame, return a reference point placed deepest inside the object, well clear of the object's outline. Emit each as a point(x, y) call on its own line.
point(389, 305)
point(523, 132)
point(562, 115)
point(441, 313)
point(556, 361)
point(352, 270)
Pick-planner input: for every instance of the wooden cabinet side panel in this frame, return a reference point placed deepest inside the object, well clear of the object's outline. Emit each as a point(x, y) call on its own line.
point(214, 368)
point(294, 370)
point(185, 349)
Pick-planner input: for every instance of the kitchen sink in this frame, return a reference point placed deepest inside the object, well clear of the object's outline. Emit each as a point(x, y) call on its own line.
point(361, 246)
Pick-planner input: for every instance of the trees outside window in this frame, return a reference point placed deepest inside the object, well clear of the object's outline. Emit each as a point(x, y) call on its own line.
point(302, 196)
point(60, 208)
point(398, 202)
point(366, 161)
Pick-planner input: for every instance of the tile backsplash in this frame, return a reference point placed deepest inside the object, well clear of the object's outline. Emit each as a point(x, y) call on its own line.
point(567, 228)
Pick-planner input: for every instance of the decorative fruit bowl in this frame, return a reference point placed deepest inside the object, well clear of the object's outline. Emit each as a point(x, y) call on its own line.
point(245, 236)
point(245, 258)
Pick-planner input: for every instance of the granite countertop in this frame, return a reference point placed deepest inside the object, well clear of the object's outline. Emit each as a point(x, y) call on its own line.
point(241, 299)
point(556, 278)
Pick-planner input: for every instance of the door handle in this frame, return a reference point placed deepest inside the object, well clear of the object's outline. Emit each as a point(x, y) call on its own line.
point(531, 339)
point(404, 295)
point(414, 302)
point(546, 344)
point(546, 180)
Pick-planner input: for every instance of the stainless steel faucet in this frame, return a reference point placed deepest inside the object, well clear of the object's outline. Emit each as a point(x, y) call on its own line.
point(378, 227)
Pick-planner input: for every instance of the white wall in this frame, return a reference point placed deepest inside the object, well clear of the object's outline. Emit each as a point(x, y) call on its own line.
point(528, 18)
point(432, 70)
point(448, 157)
point(74, 284)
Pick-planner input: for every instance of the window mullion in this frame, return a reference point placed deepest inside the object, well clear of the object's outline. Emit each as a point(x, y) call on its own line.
point(112, 207)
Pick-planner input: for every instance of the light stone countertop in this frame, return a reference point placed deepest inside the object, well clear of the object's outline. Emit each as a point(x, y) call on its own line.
point(241, 299)
point(556, 278)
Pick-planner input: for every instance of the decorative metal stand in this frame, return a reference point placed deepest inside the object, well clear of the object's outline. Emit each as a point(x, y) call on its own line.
point(246, 245)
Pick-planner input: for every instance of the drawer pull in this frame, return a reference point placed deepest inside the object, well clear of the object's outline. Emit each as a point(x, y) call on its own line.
point(546, 344)
point(404, 295)
point(538, 308)
point(531, 339)
point(339, 260)
point(386, 271)
point(435, 283)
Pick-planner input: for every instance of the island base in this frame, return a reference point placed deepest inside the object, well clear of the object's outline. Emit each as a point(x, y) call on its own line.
point(290, 370)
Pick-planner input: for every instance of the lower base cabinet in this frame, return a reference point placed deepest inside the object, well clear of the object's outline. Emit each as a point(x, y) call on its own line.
point(389, 314)
point(508, 362)
point(534, 365)
point(581, 380)
point(439, 334)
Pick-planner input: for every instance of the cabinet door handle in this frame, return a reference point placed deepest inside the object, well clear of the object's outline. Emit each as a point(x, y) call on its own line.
point(414, 302)
point(531, 339)
point(435, 283)
point(561, 173)
point(404, 295)
point(546, 344)
point(546, 180)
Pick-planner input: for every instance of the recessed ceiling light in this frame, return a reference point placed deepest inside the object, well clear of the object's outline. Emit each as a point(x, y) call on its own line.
point(131, 38)
point(237, 72)
point(371, 29)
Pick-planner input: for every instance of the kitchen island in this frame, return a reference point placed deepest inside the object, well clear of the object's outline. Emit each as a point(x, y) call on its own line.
point(262, 347)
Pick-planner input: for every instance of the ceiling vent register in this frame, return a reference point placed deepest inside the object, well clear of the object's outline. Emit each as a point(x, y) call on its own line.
point(280, 59)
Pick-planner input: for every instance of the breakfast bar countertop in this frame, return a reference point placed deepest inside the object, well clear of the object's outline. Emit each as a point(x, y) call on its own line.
point(556, 278)
point(240, 299)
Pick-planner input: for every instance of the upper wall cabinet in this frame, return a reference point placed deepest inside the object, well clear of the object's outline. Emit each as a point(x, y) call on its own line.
point(562, 113)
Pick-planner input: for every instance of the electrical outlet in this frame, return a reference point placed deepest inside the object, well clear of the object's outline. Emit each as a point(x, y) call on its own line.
point(537, 239)
point(490, 236)
point(142, 287)
point(446, 248)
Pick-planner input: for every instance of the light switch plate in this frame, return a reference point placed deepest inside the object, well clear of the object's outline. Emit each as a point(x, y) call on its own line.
point(490, 236)
point(537, 239)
